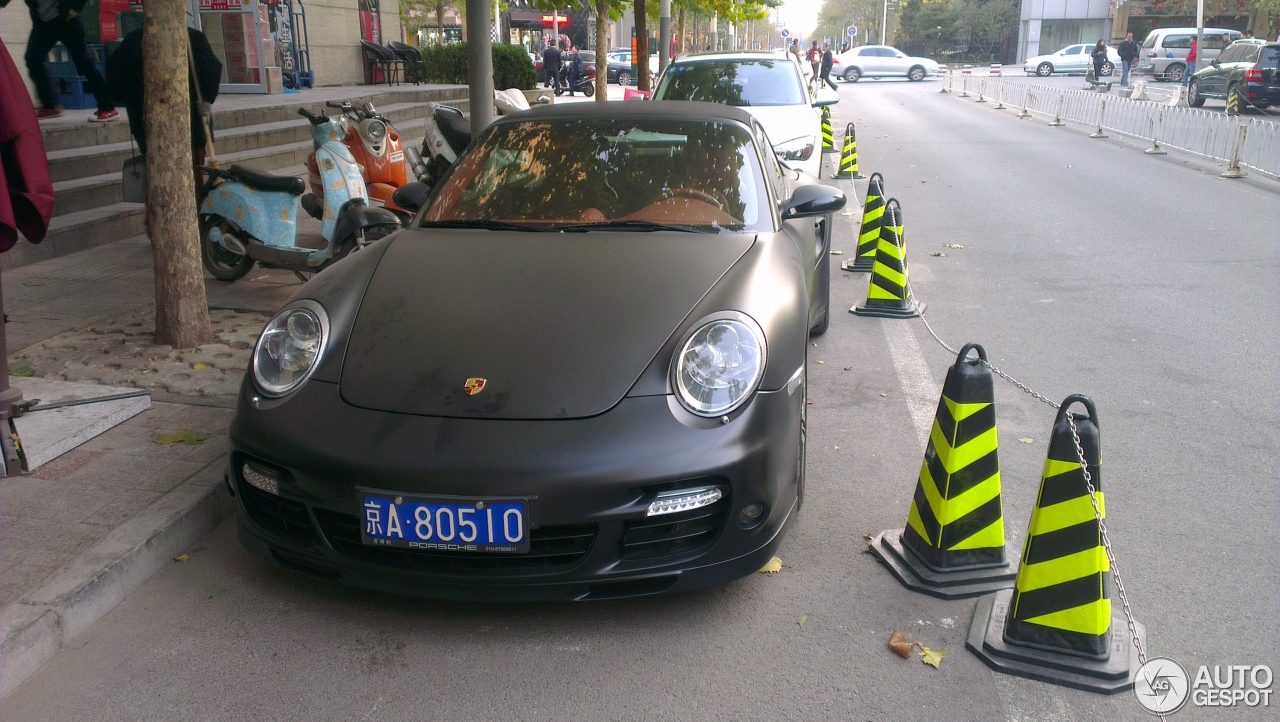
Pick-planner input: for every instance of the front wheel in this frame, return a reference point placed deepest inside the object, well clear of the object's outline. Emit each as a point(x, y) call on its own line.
point(1044, 70)
point(915, 74)
point(1194, 99)
point(852, 74)
point(222, 264)
point(624, 77)
point(1107, 69)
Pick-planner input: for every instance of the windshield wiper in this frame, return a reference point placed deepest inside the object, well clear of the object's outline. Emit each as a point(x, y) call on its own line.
point(621, 225)
point(484, 225)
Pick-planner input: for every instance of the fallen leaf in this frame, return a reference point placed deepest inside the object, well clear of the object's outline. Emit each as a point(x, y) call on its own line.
point(900, 645)
point(847, 213)
point(837, 253)
point(931, 657)
point(822, 362)
point(924, 181)
point(186, 436)
point(182, 557)
point(801, 620)
point(202, 367)
point(884, 394)
point(837, 448)
point(848, 368)
point(773, 567)
point(938, 254)
point(953, 245)
point(868, 536)
point(1027, 440)
point(24, 371)
point(808, 403)
point(31, 282)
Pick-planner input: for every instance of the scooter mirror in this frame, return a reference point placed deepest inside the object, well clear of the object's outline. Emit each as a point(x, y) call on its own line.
point(411, 196)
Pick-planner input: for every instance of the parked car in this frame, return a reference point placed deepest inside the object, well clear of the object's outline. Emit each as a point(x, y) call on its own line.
point(1246, 68)
point(620, 67)
point(1164, 51)
point(615, 407)
point(880, 61)
point(1072, 60)
point(768, 85)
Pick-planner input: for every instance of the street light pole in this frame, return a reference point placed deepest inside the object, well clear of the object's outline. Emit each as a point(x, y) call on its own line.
point(884, 20)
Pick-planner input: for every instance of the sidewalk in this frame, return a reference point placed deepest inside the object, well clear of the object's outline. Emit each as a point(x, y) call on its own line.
point(81, 532)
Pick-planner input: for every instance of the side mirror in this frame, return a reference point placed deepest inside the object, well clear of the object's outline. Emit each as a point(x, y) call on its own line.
point(411, 196)
point(813, 200)
point(825, 96)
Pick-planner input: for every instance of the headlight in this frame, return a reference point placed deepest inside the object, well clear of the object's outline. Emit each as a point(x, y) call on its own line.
point(377, 130)
point(289, 347)
point(798, 149)
point(720, 364)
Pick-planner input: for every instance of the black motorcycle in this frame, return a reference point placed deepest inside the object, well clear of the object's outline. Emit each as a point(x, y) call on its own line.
point(586, 83)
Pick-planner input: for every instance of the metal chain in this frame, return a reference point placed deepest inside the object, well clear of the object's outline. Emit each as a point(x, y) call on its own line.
point(892, 213)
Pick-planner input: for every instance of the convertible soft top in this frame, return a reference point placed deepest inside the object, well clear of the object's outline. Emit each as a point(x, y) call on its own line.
point(665, 109)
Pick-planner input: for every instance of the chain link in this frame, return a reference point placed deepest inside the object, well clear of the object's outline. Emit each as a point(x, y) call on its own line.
point(892, 214)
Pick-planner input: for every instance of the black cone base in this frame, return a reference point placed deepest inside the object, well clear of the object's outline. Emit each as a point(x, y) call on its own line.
point(846, 175)
point(959, 584)
point(862, 265)
point(908, 309)
point(986, 639)
point(858, 176)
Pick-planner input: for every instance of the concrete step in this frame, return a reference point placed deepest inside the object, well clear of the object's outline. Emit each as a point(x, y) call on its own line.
point(74, 232)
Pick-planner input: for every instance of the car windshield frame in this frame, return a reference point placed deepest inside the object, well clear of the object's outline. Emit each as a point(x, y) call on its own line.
point(714, 80)
point(634, 174)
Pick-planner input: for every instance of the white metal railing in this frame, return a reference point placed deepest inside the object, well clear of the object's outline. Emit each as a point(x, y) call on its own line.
point(1241, 142)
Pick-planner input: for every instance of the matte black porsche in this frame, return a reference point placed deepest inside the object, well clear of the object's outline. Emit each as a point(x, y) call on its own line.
point(580, 374)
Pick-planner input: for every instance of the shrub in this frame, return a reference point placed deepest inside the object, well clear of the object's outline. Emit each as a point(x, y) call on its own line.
point(447, 64)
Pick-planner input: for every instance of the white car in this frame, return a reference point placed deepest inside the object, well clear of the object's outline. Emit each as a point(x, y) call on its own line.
point(880, 61)
point(1071, 60)
point(768, 85)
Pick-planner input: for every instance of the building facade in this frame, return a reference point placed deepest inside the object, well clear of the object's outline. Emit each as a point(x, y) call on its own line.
point(1050, 25)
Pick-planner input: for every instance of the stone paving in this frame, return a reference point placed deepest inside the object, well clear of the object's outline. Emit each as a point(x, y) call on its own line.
point(121, 352)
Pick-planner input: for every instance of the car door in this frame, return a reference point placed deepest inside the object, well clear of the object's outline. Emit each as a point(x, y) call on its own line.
point(1213, 82)
point(896, 62)
point(1073, 59)
point(811, 235)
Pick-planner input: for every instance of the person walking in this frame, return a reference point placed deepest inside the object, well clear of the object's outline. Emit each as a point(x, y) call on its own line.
point(1128, 58)
point(827, 62)
point(815, 59)
point(1099, 59)
point(54, 21)
point(1191, 60)
point(551, 66)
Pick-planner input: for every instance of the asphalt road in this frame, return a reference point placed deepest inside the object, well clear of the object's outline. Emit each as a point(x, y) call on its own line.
point(1146, 282)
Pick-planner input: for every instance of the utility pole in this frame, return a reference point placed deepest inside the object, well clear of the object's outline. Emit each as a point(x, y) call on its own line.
point(664, 34)
point(479, 66)
point(182, 309)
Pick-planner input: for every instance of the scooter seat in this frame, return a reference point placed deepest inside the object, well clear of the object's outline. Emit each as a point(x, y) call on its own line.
point(454, 127)
point(268, 182)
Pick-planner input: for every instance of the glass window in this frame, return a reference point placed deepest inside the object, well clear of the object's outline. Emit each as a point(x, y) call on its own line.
point(766, 81)
point(1230, 55)
point(1150, 42)
point(1178, 41)
point(581, 172)
point(1270, 58)
point(772, 167)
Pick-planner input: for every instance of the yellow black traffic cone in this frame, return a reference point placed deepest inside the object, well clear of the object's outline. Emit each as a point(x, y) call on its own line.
point(953, 544)
point(849, 156)
point(828, 136)
point(869, 235)
point(888, 294)
point(1056, 625)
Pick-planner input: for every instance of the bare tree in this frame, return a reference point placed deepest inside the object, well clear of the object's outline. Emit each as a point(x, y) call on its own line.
point(182, 310)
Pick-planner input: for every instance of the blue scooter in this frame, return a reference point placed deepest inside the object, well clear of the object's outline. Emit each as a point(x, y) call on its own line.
point(248, 216)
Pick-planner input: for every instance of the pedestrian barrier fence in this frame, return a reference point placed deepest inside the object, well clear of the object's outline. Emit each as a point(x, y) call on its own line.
point(1243, 143)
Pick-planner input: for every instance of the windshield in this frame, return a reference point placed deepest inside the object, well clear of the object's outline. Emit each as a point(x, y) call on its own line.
point(766, 81)
point(586, 172)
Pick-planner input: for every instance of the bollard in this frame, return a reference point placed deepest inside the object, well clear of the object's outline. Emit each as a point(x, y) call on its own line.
point(996, 70)
point(1155, 148)
point(1234, 170)
point(1057, 118)
point(1102, 112)
point(1030, 99)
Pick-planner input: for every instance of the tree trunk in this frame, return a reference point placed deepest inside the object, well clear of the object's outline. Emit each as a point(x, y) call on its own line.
point(642, 47)
point(182, 311)
point(602, 51)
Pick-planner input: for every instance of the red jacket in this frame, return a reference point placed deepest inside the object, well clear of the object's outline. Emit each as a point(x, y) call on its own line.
point(26, 193)
point(1191, 54)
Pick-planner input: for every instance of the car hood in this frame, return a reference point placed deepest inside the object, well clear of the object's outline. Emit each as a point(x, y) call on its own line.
point(559, 325)
point(786, 122)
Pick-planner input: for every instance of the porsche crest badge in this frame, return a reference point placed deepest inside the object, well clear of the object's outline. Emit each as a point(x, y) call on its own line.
point(474, 386)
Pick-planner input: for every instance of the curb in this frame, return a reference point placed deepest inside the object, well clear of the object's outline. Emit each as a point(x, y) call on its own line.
point(39, 625)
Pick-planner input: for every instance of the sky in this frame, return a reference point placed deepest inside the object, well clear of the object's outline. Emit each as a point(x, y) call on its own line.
point(800, 16)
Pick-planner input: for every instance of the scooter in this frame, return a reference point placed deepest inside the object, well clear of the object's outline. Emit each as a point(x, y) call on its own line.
point(375, 145)
point(447, 133)
point(247, 216)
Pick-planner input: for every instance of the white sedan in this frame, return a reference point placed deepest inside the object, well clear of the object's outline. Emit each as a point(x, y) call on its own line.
point(1073, 59)
point(881, 61)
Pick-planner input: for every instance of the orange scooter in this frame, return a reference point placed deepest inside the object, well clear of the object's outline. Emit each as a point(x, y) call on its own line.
point(375, 145)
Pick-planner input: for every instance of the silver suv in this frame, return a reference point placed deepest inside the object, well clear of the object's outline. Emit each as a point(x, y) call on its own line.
point(1164, 52)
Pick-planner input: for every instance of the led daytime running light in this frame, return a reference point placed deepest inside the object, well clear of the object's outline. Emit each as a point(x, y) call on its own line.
point(671, 502)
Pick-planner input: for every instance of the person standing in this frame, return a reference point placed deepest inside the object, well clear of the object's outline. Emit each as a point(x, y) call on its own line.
point(815, 58)
point(1128, 58)
point(1191, 60)
point(54, 21)
point(551, 66)
point(1099, 59)
point(575, 68)
point(827, 62)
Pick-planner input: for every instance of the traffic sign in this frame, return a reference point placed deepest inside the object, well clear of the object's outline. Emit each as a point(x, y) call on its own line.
point(786, 33)
point(853, 31)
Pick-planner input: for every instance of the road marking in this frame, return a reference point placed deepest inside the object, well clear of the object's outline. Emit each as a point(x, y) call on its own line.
point(918, 387)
